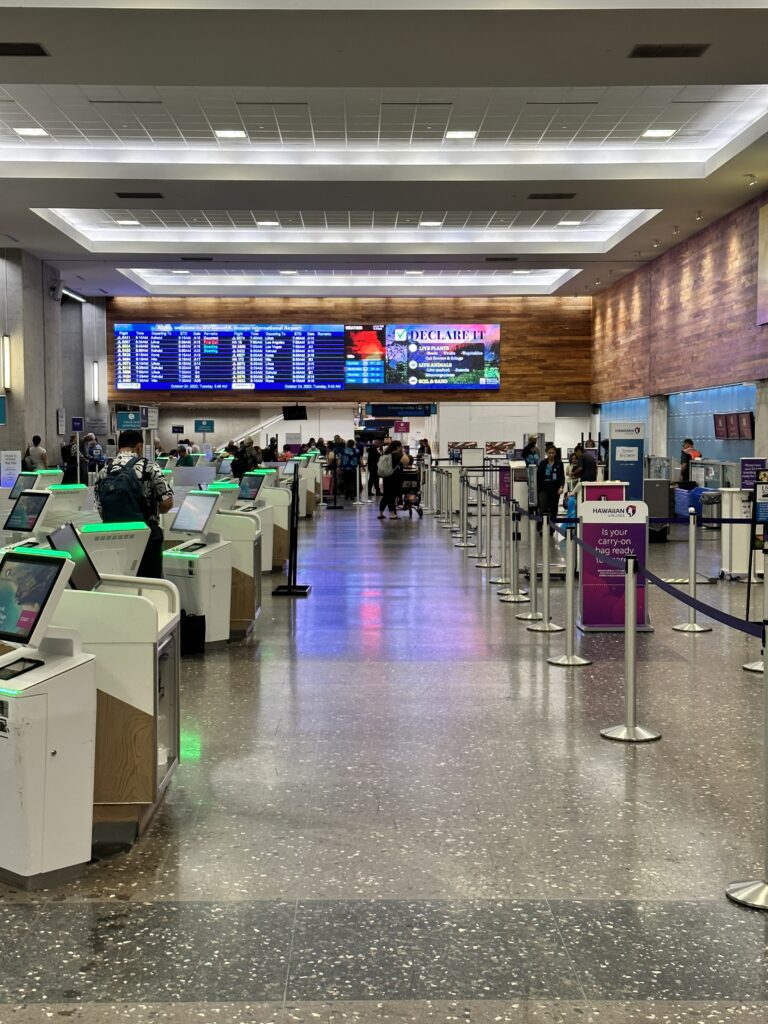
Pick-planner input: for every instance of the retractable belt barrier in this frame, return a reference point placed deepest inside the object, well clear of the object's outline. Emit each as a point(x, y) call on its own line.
point(753, 894)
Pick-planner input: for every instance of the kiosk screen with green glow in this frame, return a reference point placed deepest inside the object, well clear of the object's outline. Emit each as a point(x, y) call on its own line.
point(26, 583)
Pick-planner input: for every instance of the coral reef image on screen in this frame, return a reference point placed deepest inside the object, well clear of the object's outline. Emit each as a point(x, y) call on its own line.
point(443, 355)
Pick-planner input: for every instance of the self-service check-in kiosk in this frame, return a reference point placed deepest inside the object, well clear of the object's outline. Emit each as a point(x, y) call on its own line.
point(285, 480)
point(116, 548)
point(131, 625)
point(250, 503)
point(27, 517)
point(27, 481)
point(201, 567)
point(47, 726)
point(49, 477)
point(243, 532)
point(230, 494)
point(277, 499)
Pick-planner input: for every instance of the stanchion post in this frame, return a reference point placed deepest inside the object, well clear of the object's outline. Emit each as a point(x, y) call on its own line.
point(546, 625)
point(570, 658)
point(759, 666)
point(487, 561)
point(534, 615)
point(515, 595)
point(446, 523)
point(358, 471)
point(755, 894)
point(480, 521)
point(503, 578)
point(464, 541)
point(630, 732)
point(692, 626)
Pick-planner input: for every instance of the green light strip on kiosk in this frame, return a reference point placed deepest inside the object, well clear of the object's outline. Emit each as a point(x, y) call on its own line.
point(43, 472)
point(67, 487)
point(259, 472)
point(111, 527)
point(179, 554)
point(48, 552)
point(10, 693)
point(223, 486)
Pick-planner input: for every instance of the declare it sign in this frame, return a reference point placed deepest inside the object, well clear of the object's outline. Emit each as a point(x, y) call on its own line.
point(619, 530)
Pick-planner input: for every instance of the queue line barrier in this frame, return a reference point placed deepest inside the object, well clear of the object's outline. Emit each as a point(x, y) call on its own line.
point(753, 893)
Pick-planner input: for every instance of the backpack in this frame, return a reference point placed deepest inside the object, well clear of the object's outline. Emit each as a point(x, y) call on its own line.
point(239, 465)
point(386, 467)
point(349, 458)
point(120, 495)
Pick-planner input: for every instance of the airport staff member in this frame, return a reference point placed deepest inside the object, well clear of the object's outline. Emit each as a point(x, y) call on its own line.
point(134, 489)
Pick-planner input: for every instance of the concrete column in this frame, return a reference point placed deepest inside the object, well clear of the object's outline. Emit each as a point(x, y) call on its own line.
point(761, 419)
point(95, 351)
point(656, 442)
point(30, 313)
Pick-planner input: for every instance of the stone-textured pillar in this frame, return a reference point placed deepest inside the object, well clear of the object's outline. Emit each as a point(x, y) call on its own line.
point(30, 312)
point(95, 350)
point(761, 419)
point(656, 442)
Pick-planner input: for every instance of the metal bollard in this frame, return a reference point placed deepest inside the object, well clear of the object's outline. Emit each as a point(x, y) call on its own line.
point(759, 666)
point(503, 578)
point(446, 523)
point(570, 658)
point(630, 732)
point(464, 541)
point(358, 500)
point(692, 626)
point(534, 614)
point(546, 625)
point(515, 595)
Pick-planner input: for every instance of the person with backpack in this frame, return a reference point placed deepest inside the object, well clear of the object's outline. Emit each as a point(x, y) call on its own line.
point(133, 489)
point(391, 465)
point(350, 462)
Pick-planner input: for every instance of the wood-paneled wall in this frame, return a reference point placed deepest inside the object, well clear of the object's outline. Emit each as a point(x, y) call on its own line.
point(545, 341)
point(687, 320)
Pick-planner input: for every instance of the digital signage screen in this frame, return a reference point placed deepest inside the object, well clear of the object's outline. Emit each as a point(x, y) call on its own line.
point(306, 357)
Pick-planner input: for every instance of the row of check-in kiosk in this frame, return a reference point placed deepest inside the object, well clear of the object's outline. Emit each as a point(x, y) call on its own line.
point(90, 654)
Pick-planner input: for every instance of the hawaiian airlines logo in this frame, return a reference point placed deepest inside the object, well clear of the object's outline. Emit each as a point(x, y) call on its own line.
point(631, 510)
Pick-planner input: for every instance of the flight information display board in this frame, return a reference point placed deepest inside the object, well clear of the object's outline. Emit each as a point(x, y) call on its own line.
point(305, 357)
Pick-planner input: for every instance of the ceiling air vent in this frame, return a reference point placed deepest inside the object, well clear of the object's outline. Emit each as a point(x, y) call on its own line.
point(552, 195)
point(197, 259)
point(139, 195)
point(22, 50)
point(501, 259)
point(660, 51)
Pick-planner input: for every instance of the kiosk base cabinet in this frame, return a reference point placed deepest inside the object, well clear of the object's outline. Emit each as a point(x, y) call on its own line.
point(47, 767)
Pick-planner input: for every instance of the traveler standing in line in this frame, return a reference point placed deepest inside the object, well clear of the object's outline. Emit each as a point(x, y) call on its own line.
point(350, 465)
point(424, 449)
point(374, 454)
point(131, 489)
point(550, 481)
point(391, 465)
point(69, 457)
point(531, 452)
point(588, 465)
point(36, 455)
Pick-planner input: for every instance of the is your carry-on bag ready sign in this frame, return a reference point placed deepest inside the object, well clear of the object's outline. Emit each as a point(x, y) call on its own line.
point(619, 530)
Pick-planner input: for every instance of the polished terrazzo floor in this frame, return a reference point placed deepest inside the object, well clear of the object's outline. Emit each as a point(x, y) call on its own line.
point(392, 809)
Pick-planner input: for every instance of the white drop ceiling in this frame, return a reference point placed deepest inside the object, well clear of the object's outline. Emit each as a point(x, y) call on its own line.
point(316, 136)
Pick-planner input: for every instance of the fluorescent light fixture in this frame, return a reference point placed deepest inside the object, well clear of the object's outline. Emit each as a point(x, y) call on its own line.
point(5, 362)
point(268, 223)
point(73, 295)
point(455, 134)
point(521, 271)
point(430, 223)
point(230, 133)
point(180, 271)
point(569, 223)
point(414, 273)
point(128, 223)
point(31, 133)
point(659, 133)
point(289, 273)
point(95, 381)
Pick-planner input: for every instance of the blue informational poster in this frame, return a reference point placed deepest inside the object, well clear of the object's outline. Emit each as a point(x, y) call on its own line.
point(3, 414)
point(627, 457)
point(204, 426)
point(128, 420)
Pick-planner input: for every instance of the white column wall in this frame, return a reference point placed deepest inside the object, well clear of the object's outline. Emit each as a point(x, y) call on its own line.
point(494, 421)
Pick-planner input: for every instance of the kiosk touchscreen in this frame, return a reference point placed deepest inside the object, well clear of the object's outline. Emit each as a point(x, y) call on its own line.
point(288, 467)
point(195, 514)
point(162, 461)
point(85, 575)
point(250, 486)
point(24, 482)
point(28, 583)
point(27, 511)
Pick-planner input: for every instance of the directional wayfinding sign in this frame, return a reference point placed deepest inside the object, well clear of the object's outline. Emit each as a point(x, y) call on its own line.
point(129, 420)
point(177, 428)
point(204, 426)
point(78, 424)
point(618, 529)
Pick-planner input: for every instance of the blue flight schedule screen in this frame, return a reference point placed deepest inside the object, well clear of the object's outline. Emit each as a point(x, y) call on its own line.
point(229, 357)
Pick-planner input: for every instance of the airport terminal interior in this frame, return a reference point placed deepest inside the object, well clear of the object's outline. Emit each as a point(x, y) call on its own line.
point(383, 511)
